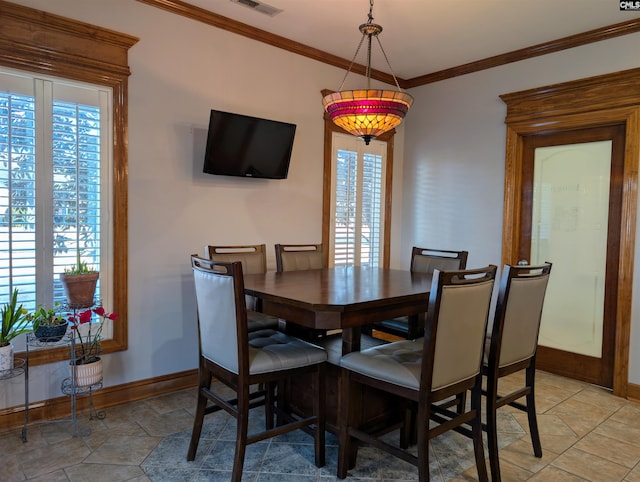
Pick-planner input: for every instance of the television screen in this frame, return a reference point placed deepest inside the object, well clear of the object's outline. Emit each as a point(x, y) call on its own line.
point(240, 145)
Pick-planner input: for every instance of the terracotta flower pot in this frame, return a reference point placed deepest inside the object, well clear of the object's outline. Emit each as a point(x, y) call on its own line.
point(80, 288)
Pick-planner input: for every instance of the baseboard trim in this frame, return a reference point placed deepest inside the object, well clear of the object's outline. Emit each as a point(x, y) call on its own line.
point(633, 392)
point(57, 408)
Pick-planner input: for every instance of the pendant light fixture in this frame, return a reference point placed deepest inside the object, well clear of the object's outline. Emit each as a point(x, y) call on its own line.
point(368, 113)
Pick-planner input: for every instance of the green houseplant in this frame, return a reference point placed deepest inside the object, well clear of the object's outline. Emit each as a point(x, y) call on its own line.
point(79, 283)
point(48, 324)
point(15, 321)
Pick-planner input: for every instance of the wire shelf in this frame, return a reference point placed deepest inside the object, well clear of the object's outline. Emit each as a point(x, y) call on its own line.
point(17, 370)
point(68, 387)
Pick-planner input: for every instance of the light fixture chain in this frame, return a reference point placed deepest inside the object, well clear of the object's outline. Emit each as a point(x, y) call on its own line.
point(352, 62)
point(369, 60)
point(368, 113)
point(388, 63)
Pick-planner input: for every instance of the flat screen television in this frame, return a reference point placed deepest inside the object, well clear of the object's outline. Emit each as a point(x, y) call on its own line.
point(241, 145)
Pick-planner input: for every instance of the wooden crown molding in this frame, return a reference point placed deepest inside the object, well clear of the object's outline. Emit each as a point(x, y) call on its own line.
point(202, 15)
point(43, 41)
point(609, 91)
point(205, 16)
point(597, 35)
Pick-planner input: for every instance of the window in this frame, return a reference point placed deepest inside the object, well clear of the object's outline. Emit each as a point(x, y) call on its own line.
point(357, 192)
point(54, 185)
point(51, 46)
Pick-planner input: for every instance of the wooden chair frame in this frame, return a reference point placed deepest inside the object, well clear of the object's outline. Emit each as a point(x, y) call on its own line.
point(296, 330)
point(225, 253)
point(256, 319)
point(412, 327)
point(423, 401)
point(244, 382)
point(494, 371)
point(295, 248)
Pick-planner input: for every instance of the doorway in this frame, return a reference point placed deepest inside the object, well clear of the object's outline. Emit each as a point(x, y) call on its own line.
point(571, 205)
point(601, 101)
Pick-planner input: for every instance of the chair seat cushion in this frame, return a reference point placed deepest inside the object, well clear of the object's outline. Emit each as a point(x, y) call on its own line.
point(259, 321)
point(271, 350)
point(398, 363)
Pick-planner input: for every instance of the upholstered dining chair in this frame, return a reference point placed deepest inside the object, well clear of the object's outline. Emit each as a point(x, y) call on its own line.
point(254, 261)
point(300, 257)
point(425, 371)
point(511, 347)
point(245, 362)
point(423, 260)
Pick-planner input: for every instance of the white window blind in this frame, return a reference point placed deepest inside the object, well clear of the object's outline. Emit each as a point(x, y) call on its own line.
point(54, 166)
point(357, 196)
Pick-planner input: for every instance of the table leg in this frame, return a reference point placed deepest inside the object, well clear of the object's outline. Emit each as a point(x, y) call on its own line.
point(351, 339)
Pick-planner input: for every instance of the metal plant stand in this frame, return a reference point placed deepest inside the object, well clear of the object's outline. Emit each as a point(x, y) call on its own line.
point(68, 386)
point(20, 366)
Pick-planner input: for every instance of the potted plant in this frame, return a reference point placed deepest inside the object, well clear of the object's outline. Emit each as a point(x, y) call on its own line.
point(15, 321)
point(79, 283)
point(86, 365)
point(48, 325)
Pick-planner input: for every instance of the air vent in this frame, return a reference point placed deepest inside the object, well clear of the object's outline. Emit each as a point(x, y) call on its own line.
point(259, 7)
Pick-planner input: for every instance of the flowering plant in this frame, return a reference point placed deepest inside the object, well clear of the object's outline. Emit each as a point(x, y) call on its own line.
point(89, 346)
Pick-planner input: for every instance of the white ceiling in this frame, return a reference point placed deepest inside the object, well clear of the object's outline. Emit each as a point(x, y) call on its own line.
point(425, 36)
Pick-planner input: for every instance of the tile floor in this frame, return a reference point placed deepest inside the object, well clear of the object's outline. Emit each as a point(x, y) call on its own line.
point(587, 435)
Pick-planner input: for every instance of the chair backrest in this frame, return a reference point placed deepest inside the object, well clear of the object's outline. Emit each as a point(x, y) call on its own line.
point(514, 335)
point(222, 315)
point(456, 324)
point(252, 256)
point(299, 257)
point(426, 260)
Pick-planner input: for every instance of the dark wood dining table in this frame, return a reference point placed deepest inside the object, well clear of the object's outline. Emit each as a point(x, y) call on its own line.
point(341, 298)
point(345, 298)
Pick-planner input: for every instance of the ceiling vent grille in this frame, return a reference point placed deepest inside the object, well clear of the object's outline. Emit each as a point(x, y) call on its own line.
point(259, 7)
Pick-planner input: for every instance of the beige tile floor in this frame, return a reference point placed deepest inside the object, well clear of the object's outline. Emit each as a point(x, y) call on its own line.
point(587, 435)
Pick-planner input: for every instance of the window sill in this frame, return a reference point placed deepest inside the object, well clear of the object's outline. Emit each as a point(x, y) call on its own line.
point(42, 356)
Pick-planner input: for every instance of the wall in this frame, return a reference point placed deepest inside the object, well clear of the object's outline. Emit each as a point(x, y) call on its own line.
point(455, 150)
point(449, 192)
point(180, 70)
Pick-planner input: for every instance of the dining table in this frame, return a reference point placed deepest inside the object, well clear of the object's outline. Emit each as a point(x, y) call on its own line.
point(343, 299)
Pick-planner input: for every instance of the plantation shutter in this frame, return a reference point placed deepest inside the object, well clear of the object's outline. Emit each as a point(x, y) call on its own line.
point(53, 166)
point(357, 194)
point(17, 187)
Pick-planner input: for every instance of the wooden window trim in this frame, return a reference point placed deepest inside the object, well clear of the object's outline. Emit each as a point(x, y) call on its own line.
point(43, 43)
point(388, 137)
point(594, 101)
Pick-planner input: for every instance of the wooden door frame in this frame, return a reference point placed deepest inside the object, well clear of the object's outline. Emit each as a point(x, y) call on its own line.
point(592, 102)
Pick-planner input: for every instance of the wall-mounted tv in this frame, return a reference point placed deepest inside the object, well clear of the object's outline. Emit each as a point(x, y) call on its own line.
point(240, 145)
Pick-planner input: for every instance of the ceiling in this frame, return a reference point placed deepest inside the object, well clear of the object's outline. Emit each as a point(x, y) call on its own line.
point(421, 37)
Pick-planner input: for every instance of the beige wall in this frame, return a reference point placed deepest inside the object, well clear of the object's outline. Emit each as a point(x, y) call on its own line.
point(448, 193)
point(181, 69)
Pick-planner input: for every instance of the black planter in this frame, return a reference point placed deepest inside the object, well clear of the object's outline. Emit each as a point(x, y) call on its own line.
point(50, 334)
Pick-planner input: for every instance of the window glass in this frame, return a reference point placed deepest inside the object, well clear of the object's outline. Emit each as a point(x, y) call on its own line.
point(54, 167)
point(357, 201)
